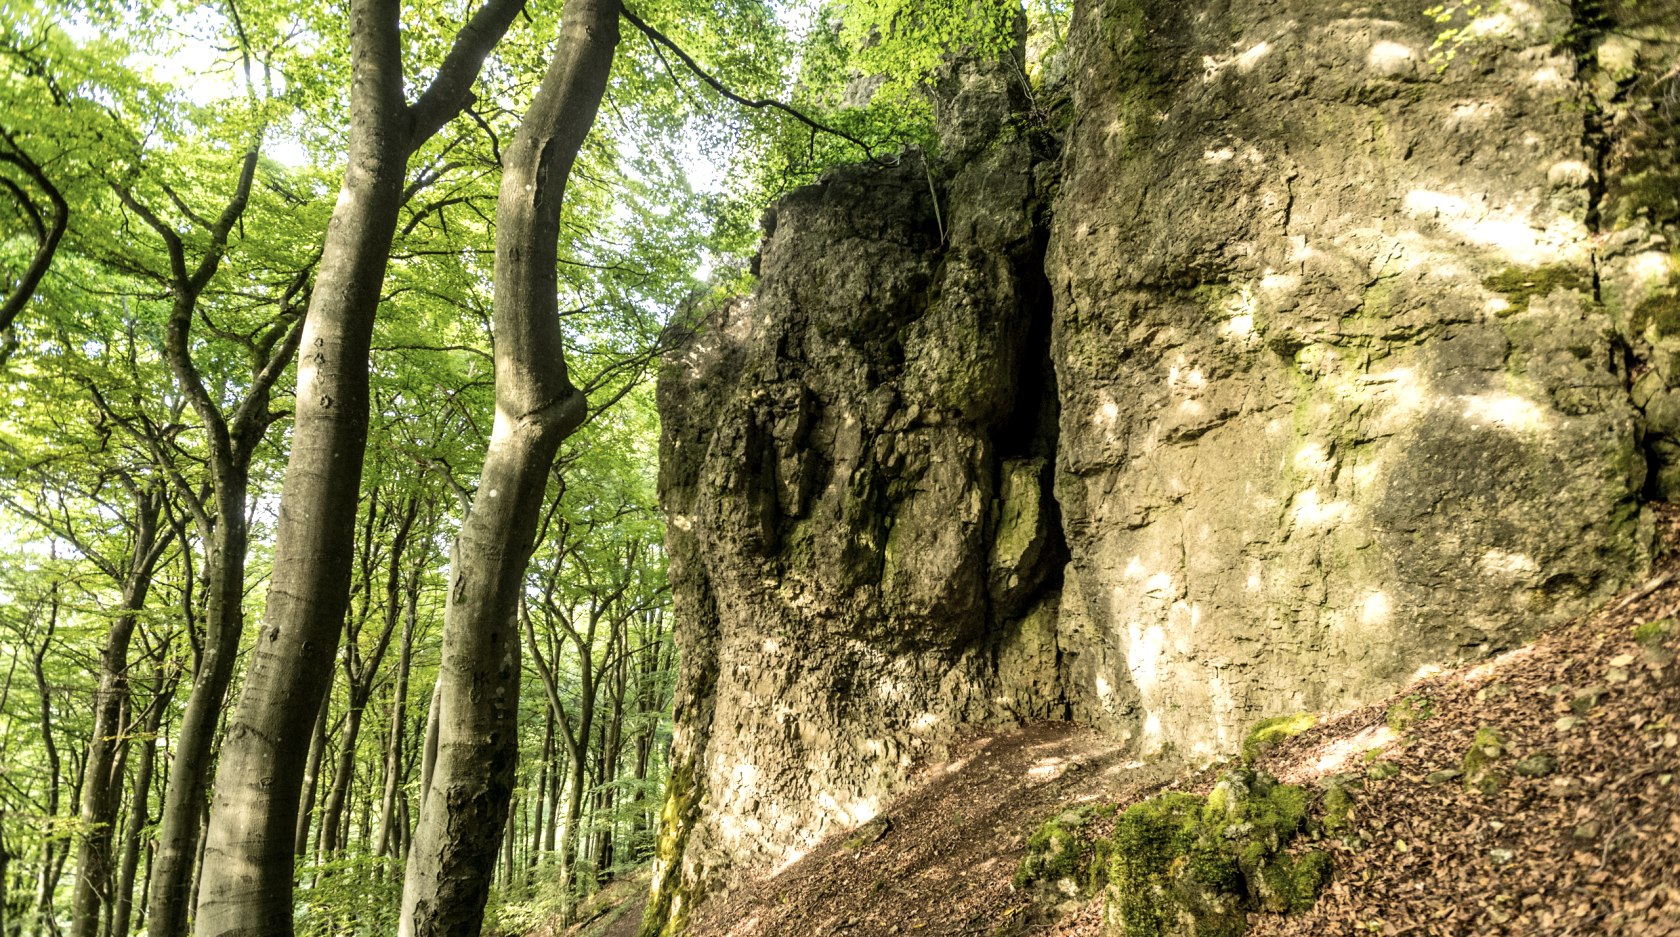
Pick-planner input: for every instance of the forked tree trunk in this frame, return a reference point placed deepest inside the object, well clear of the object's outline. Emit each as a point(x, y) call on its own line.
point(465, 810)
point(247, 888)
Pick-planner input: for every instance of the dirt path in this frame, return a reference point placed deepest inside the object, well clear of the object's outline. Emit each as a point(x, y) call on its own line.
point(944, 865)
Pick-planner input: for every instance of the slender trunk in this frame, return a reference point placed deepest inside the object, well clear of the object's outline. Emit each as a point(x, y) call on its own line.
point(123, 906)
point(248, 889)
point(311, 776)
point(47, 882)
point(5, 864)
point(384, 843)
point(536, 407)
point(541, 792)
point(173, 869)
point(100, 797)
point(344, 772)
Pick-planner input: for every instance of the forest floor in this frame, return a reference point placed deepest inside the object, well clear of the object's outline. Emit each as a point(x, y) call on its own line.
point(1586, 842)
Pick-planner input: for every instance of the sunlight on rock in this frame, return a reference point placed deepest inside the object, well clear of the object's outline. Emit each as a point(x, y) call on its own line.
point(1244, 62)
point(1150, 742)
point(1506, 411)
point(1313, 457)
point(1240, 325)
point(1549, 78)
point(1335, 756)
point(1471, 114)
point(1272, 282)
point(926, 721)
point(1389, 57)
point(1376, 610)
point(1310, 511)
point(1651, 269)
point(1159, 586)
point(1568, 173)
point(1135, 568)
point(1501, 563)
point(1143, 655)
point(1489, 668)
point(1221, 155)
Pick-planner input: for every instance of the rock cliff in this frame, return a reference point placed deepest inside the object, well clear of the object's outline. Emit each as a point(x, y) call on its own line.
point(1325, 343)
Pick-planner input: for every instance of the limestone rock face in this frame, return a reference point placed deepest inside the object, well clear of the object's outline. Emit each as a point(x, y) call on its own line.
point(1328, 343)
point(1338, 397)
point(857, 466)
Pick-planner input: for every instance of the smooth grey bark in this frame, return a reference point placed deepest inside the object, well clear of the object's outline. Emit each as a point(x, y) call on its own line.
point(466, 808)
point(93, 893)
point(247, 889)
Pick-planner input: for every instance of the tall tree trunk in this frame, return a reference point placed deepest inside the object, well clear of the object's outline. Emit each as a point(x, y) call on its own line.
point(332, 814)
point(173, 869)
point(46, 883)
point(100, 789)
point(248, 889)
point(5, 864)
point(541, 791)
point(536, 407)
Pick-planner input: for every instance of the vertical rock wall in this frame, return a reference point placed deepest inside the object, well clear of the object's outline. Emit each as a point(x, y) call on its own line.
point(1334, 344)
point(856, 467)
point(1340, 398)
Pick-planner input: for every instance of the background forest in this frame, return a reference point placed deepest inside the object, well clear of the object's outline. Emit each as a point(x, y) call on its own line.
point(169, 176)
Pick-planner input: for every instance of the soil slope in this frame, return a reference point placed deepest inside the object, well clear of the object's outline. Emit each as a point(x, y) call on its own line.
point(1582, 836)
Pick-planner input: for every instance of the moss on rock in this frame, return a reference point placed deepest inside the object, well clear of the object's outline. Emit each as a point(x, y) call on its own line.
point(1409, 712)
point(1269, 732)
point(1189, 866)
point(1058, 851)
point(1520, 285)
point(1481, 762)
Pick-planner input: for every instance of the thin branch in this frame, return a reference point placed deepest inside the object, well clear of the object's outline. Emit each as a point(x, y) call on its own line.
point(756, 103)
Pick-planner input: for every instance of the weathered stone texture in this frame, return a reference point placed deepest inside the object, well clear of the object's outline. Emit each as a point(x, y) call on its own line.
point(1339, 364)
point(840, 454)
point(1319, 429)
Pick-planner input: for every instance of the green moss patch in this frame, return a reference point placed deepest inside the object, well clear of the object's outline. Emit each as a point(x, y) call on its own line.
point(1184, 864)
point(1522, 284)
point(1269, 732)
point(1062, 849)
point(1409, 712)
point(1481, 762)
point(1654, 632)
